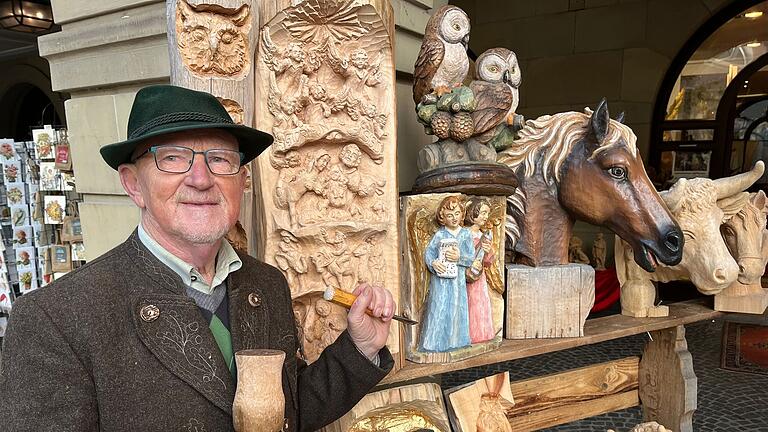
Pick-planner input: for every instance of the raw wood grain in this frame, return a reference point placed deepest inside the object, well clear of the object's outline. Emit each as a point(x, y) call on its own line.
point(579, 393)
point(667, 381)
point(595, 331)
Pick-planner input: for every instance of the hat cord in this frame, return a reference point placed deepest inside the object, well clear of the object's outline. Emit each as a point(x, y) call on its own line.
point(176, 117)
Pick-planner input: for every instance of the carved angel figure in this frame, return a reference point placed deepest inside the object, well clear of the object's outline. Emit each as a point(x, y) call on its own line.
point(445, 320)
point(478, 297)
point(442, 62)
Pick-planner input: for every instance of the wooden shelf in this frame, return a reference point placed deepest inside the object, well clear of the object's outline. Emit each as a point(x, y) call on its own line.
point(595, 331)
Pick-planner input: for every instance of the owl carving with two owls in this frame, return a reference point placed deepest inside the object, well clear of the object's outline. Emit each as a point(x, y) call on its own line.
point(213, 40)
point(471, 121)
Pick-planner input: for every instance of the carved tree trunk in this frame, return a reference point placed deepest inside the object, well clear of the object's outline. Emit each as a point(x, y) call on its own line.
point(259, 404)
point(327, 208)
point(212, 47)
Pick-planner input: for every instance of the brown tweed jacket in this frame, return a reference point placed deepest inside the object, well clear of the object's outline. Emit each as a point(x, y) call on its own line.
point(78, 356)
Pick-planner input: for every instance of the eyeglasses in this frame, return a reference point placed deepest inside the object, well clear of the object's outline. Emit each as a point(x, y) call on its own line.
point(178, 160)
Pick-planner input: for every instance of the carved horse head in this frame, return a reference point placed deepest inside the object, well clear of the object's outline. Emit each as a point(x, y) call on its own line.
point(746, 236)
point(585, 166)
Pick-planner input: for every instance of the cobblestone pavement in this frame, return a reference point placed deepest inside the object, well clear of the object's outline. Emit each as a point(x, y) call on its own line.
point(727, 401)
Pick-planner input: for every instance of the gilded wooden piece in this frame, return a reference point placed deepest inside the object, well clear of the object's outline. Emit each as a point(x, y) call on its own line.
point(454, 256)
point(400, 409)
point(328, 196)
point(699, 206)
point(746, 236)
point(212, 47)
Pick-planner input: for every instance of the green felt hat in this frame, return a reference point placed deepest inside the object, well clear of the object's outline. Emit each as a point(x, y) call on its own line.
point(164, 109)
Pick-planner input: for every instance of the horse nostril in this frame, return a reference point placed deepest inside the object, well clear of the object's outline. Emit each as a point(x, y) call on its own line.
point(719, 275)
point(672, 241)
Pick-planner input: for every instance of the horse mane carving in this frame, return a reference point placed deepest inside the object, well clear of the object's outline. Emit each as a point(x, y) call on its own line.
point(550, 139)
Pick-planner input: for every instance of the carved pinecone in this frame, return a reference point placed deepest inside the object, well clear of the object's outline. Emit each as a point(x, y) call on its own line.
point(462, 127)
point(441, 124)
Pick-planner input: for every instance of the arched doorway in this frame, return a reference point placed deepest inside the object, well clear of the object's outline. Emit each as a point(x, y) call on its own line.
point(22, 107)
point(692, 126)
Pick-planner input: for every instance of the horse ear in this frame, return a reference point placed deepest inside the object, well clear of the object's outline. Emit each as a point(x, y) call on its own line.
point(599, 121)
point(620, 117)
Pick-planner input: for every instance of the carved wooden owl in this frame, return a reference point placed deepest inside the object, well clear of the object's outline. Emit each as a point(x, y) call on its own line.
point(212, 41)
point(495, 89)
point(442, 62)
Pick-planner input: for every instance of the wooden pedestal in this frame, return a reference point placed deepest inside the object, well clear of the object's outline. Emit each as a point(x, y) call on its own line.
point(741, 298)
point(548, 302)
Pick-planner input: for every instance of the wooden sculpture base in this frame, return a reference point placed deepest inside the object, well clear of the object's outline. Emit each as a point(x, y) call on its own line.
point(752, 299)
point(473, 178)
point(548, 302)
point(455, 355)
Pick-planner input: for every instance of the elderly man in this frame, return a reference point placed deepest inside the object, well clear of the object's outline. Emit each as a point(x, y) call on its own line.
point(142, 338)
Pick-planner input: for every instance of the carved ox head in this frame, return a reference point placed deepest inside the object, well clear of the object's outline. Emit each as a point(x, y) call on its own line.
point(746, 236)
point(700, 206)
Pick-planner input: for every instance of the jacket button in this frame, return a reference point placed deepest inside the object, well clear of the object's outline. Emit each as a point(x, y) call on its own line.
point(285, 424)
point(254, 300)
point(149, 313)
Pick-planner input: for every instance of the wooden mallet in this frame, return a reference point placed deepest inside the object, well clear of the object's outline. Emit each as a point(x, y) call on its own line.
point(344, 298)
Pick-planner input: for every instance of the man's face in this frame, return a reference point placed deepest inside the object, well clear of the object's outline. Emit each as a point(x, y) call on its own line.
point(196, 207)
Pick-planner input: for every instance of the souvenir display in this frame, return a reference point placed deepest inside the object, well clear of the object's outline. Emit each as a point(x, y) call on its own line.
point(25, 258)
point(50, 177)
point(12, 171)
point(19, 215)
point(27, 280)
point(78, 251)
point(454, 248)
point(62, 155)
point(7, 150)
point(55, 209)
point(15, 193)
point(61, 258)
point(44, 142)
point(22, 236)
point(71, 230)
point(700, 206)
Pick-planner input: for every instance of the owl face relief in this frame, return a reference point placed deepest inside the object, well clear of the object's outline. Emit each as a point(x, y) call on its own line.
point(454, 27)
point(213, 40)
point(499, 65)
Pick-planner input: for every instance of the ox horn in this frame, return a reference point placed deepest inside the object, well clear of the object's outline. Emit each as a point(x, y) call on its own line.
point(673, 195)
point(732, 185)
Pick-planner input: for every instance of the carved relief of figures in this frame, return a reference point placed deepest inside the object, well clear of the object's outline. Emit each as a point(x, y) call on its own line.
point(213, 40)
point(576, 252)
point(599, 249)
point(453, 288)
point(326, 75)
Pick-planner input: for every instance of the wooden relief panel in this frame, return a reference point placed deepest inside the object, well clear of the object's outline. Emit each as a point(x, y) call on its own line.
point(328, 204)
point(453, 285)
point(212, 47)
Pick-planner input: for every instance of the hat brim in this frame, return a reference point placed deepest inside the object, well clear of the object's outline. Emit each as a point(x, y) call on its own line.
point(251, 141)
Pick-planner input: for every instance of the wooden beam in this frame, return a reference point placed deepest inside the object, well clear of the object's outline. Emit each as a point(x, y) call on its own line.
point(595, 331)
point(576, 394)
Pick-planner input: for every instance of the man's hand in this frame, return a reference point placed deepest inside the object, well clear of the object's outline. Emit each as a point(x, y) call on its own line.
point(369, 333)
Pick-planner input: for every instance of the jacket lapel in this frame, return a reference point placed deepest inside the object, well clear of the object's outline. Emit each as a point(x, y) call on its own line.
point(247, 312)
point(170, 325)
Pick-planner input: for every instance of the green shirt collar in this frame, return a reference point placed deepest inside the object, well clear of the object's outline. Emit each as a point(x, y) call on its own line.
point(227, 262)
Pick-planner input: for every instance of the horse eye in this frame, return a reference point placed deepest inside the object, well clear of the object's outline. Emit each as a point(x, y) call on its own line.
point(617, 172)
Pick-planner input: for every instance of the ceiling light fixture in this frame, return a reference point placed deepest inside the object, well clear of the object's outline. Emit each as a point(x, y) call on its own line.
point(753, 14)
point(754, 44)
point(29, 16)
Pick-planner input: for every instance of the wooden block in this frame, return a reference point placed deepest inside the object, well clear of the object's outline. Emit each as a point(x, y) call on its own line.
point(548, 302)
point(429, 392)
point(579, 393)
point(667, 381)
point(464, 403)
point(743, 299)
